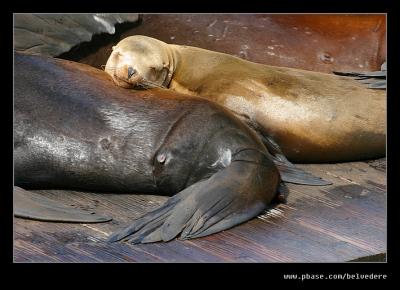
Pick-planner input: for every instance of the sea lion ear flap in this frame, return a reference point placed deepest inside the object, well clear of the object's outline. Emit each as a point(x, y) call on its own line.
point(114, 47)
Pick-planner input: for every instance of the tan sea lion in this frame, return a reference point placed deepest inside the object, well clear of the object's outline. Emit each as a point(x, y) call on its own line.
point(314, 117)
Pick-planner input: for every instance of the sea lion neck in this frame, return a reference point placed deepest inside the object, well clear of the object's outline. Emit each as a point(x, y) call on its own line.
point(192, 66)
point(185, 79)
point(171, 64)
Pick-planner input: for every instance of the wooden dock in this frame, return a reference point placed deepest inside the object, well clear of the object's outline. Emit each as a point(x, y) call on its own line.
point(341, 222)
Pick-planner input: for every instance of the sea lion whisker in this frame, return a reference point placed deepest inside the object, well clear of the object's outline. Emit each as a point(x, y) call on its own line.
point(151, 84)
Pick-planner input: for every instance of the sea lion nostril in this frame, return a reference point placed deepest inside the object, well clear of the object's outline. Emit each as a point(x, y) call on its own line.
point(131, 72)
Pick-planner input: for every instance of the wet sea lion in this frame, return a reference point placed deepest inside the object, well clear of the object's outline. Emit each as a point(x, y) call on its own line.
point(74, 129)
point(314, 117)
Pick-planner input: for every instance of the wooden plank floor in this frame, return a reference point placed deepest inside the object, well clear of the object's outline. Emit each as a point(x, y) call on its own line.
point(341, 222)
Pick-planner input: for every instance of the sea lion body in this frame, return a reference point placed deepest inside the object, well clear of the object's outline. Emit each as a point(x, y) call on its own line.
point(74, 129)
point(314, 117)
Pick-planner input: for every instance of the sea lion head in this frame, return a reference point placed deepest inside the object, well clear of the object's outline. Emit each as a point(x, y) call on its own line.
point(140, 61)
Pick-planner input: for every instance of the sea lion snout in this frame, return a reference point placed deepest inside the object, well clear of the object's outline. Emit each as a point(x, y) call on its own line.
point(121, 73)
point(131, 72)
point(124, 76)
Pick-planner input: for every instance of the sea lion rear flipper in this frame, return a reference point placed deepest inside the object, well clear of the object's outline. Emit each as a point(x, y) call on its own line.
point(377, 85)
point(292, 174)
point(374, 79)
point(289, 172)
point(34, 206)
point(231, 196)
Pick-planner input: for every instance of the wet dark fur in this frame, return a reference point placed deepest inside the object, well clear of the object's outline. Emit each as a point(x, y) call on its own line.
point(74, 129)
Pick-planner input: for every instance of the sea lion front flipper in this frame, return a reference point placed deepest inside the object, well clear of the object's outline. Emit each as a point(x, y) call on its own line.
point(33, 206)
point(231, 196)
point(289, 172)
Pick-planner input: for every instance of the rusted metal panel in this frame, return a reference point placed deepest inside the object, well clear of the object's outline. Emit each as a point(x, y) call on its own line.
point(322, 43)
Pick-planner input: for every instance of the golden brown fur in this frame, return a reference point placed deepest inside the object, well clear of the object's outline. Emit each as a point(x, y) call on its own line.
point(314, 117)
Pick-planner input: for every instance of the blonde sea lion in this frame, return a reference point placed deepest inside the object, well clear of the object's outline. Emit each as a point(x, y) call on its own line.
point(314, 117)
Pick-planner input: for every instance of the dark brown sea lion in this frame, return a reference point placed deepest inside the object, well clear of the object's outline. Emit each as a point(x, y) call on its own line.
point(74, 129)
point(314, 117)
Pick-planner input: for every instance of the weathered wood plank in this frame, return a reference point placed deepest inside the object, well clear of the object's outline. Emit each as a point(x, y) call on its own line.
point(342, 222)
